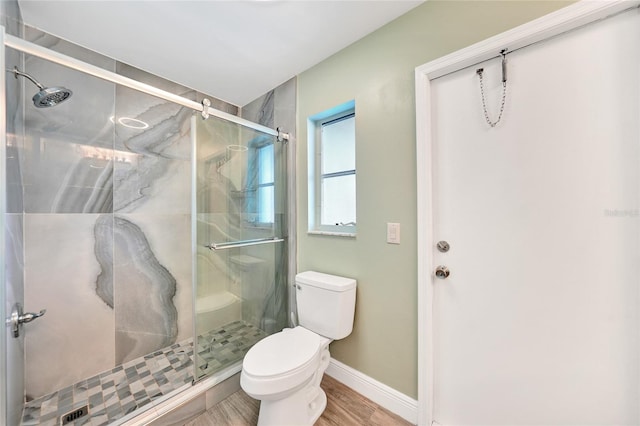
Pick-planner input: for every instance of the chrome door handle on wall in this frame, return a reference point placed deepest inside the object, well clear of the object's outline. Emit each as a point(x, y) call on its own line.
point(442, 272)
point(18, 318)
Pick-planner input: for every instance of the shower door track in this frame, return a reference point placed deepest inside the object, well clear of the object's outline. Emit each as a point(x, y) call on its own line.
point(69, 62)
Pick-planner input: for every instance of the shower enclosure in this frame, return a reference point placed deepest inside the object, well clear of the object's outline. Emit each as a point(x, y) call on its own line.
point(149, 228)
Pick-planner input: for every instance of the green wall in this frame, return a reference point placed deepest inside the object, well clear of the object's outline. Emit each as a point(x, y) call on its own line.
point(378, 72)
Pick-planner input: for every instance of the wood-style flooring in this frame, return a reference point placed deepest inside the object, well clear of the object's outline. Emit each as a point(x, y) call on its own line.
point(345, 407)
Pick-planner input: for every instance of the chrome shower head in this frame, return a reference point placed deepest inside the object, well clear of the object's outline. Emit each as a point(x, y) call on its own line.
point(47, 96)
point(51, 96)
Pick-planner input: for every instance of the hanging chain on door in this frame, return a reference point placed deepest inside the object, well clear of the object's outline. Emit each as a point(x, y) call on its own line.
point(480, 71)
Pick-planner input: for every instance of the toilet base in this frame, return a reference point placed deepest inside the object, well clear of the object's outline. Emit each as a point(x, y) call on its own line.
point(300, 409)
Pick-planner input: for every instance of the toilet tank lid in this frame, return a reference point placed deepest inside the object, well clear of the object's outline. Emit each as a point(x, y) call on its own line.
point(325, 281)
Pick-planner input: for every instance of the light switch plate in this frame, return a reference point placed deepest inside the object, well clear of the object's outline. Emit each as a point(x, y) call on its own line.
point(393, 233)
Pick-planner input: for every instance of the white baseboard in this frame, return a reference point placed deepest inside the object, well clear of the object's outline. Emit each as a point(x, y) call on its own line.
point(383, 395)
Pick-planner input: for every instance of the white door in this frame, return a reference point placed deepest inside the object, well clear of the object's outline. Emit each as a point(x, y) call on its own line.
point(537, 323)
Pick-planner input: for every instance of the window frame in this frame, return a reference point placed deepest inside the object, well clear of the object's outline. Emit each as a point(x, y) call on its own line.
point(315, 176)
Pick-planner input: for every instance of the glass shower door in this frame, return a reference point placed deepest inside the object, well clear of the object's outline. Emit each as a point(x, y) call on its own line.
point(239, 251)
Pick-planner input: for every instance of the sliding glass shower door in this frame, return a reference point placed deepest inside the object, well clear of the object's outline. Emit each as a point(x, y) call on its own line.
point(238, 236)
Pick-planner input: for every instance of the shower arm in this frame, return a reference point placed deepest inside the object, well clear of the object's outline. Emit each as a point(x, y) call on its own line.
point(16, 72)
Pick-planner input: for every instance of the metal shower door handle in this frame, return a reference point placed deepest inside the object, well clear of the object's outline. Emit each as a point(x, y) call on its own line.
point(18, 318)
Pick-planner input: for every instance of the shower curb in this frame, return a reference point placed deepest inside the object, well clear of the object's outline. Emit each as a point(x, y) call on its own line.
point(173, 402)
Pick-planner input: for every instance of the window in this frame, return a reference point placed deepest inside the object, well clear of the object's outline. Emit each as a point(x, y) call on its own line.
point(332, 165)
point(265, 184)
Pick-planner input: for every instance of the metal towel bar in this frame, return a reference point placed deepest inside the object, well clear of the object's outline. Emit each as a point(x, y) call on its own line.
point(245, 243)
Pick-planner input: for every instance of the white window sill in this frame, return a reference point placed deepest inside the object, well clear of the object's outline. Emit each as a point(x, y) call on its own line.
point(333, 234)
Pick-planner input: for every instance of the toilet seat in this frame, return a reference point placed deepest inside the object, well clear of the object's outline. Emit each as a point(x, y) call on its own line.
point(281, 362)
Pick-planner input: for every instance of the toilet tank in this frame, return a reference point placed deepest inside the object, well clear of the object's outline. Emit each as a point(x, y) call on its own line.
point(326, 303)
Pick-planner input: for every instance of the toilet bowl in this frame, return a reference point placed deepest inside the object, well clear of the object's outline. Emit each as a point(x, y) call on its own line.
point(284, 370)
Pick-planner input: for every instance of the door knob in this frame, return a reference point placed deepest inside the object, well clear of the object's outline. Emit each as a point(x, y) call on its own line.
point(442, 272)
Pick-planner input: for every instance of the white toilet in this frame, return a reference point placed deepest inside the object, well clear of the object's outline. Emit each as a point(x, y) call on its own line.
point(284, 370)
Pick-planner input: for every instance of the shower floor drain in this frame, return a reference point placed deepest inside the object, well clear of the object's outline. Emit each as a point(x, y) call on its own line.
point(74, 415)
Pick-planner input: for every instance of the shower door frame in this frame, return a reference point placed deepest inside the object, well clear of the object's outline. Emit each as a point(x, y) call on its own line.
point(3, 211)
point(566, 19)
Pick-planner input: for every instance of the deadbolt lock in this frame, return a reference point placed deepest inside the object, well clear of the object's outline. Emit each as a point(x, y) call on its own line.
point(443, 246)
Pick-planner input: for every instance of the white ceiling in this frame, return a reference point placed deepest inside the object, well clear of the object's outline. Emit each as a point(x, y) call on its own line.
point(235, 50)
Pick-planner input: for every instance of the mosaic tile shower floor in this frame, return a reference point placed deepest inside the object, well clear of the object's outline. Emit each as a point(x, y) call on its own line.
point(116, 393)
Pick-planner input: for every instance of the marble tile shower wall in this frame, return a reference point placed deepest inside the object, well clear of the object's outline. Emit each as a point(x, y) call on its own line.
point(107, 186)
